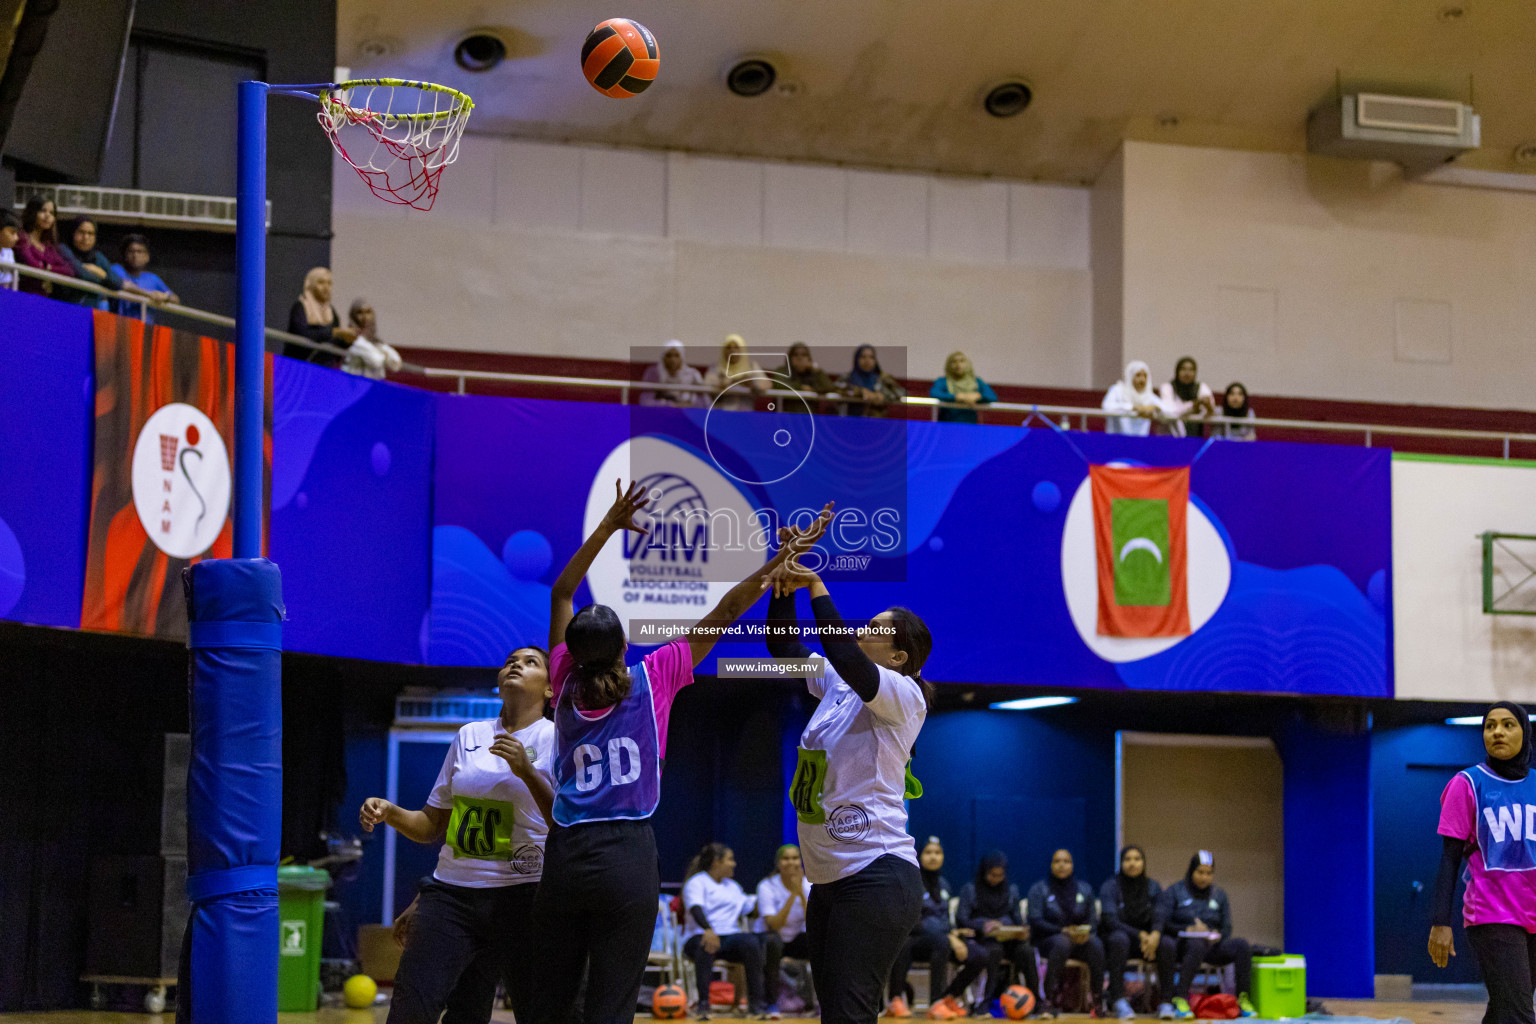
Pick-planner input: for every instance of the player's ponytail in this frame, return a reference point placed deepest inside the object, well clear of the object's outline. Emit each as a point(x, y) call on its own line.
point(595, 640)
point(913, 639)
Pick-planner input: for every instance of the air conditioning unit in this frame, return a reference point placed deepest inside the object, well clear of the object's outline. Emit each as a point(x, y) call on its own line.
point(1419, 134)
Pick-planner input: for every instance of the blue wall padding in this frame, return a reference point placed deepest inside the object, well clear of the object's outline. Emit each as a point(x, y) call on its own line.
point(234, 788)
point(1329, 869)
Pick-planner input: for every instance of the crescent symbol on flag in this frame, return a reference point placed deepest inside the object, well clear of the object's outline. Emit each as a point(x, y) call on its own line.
point(1144, 544)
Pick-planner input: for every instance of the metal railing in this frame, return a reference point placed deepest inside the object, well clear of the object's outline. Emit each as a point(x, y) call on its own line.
point(1085, 414)
point(189, 312)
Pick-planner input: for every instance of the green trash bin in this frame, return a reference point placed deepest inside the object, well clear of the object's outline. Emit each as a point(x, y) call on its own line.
point(301, 918)
point(1280, 986)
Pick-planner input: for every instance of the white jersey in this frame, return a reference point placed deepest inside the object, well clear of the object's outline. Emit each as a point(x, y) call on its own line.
point(849, 786)
point(772, 894)
point(723, 903)
point(496, 833)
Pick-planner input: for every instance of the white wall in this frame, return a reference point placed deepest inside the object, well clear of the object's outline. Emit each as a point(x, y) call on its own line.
point(1327, 278)
point(1446, 648)
point(588, 251)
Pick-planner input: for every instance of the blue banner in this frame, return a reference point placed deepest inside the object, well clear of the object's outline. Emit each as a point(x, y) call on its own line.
point(1289, 546)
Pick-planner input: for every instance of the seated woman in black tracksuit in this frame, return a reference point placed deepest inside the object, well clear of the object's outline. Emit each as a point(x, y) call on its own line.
point(1195, 912)
point(1125, 923)
point(989, 903)
point(934, 942)
point(1062, 920)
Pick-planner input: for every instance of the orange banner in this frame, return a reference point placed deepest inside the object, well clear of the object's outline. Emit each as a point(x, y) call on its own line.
point(161, 487)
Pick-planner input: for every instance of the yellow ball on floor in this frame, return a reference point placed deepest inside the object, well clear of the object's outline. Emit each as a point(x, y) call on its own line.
point(359, 991)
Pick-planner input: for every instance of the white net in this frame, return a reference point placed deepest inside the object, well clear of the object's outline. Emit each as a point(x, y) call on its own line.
point(397, 135)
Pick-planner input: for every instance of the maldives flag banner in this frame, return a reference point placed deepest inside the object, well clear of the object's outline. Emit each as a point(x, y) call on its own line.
point(162, 482)
point(1139, 535)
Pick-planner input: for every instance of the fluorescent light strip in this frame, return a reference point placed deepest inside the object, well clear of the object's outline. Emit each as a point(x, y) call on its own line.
point(1031, 703)
point(1468, 720)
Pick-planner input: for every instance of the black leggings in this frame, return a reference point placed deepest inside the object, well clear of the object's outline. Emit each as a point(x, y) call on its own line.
point(462, 941)
point(738, 947)
point(775, 949)
point(855, 926)
point(597, 905)
point(1506, 953)
point(1060, 948)
point(1193, 952)
point(1118, 945)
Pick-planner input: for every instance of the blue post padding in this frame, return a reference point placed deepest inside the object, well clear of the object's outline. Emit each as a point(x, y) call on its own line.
point(234, 788)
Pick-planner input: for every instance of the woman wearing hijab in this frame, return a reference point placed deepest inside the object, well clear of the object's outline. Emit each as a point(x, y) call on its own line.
point(1485, 816)
point(369, 355)
point(312, 316)
point(672, 368)
point(1062, 920)
point(989, 908)
point(1134, 403)
point(1234, 406)
point(92, 265)
point(960, 384)
point(38, 245)
point(1187, 400)
point(804, 376)
point(935, 942)
point(1125, 922)
point(874, 389)
point(736, 379)
point(1195, 911)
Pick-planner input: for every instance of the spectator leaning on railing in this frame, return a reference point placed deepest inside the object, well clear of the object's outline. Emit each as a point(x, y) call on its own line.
point(367, 356)
point(873, 389)
point(134, 270)
point(803, 375)
point(91, 265)
point(1135, 404)
point(38, 245)
point(1187, 400)
point(736, 379)
point(1234, 406)
point(960, 384)
point(10, 231)
point(312, 316)
point(672, 368)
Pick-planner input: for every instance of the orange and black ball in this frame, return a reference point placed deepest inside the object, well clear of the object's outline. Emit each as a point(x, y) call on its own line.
point(620, 58)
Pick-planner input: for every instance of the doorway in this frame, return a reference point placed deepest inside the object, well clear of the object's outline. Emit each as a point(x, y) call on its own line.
point(1179, 793)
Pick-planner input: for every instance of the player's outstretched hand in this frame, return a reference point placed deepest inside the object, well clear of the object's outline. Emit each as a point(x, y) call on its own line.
point(621, 514)
point(375, 809)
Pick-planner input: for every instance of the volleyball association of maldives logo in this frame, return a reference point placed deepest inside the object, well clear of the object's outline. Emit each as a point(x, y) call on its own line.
point(181, 480)
point(1139, 518)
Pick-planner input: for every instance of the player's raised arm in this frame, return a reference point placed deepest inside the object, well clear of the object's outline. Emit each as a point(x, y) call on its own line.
point(619, 517)
point(792, 542)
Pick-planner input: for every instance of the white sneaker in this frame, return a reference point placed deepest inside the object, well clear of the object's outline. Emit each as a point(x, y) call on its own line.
point(1123, 1009)
point(1165, 1011)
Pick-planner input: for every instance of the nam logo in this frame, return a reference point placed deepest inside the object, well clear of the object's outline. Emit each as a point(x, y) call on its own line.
point(702, 535)
point(181, 480)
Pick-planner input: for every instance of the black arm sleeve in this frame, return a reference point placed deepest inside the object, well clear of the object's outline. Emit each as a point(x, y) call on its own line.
point(843, 651)
point(781, 612)
point(1442, 913)
point(697, 913)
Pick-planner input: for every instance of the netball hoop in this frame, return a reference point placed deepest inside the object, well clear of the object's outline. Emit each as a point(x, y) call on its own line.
point(397, 135)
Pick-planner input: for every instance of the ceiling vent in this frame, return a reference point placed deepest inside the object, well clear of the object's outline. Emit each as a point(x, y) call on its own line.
point(1419, 134)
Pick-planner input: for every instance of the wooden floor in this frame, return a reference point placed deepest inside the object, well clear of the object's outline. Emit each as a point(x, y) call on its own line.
point(1418, 1013)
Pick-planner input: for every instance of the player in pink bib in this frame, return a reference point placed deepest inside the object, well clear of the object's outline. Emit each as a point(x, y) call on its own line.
point(1488, 815)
